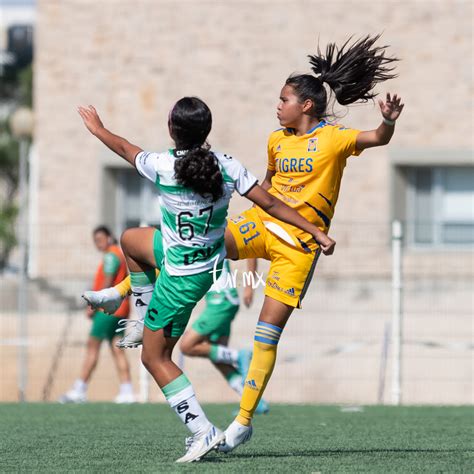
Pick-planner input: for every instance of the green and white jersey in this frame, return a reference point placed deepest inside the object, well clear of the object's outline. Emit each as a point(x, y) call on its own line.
point(192, 225)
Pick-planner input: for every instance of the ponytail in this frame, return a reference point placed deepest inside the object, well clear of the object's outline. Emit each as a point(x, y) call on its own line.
point(351, 72)
point(199, 170)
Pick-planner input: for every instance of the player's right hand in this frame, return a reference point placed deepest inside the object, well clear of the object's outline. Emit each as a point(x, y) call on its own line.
point(328, 246)
point(91, 118)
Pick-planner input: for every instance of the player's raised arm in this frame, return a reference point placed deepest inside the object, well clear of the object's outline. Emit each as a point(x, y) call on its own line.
point(391, 110)
point(117, 144)
point(280, 210)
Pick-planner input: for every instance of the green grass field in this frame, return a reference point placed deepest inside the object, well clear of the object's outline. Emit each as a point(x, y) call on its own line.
point(148, 438)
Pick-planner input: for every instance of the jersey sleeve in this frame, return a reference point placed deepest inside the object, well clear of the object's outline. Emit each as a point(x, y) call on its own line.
point(111, 264)
point(243, 179)
point(145, 162)
point(344, 140)
point(270, 154)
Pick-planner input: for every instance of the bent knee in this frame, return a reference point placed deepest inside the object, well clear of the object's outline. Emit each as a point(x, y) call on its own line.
point(147, 361)
point(186, 347)
point(230, 245)
point(127, 237)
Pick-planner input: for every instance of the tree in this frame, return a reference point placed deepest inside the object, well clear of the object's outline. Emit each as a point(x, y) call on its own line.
point(21, 94)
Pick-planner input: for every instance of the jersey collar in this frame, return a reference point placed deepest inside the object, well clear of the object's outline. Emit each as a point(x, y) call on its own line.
point(321, 124)
point(178, 153)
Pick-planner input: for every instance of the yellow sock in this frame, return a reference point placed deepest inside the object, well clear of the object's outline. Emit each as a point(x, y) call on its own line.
point(124, 287)
point(260, 371)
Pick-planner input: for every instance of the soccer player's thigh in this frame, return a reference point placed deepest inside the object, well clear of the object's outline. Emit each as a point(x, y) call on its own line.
point(248, 233)
point(290, 272)
point(158, 251)
point(174, 298)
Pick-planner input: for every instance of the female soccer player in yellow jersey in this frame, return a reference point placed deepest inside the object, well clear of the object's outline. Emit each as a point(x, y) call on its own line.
point(306, 159)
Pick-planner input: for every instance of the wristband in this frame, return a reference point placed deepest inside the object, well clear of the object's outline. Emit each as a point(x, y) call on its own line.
point(389, 122)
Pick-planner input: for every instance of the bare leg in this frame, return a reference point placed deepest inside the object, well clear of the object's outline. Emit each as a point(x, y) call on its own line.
point(137, 246)
point(156, 356)
point(230, 245)
point(194, 344)
point(275, 312)
point(92, 356)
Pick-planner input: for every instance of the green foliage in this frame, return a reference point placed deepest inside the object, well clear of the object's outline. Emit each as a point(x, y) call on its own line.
point(8, 214)
point(21, 91)
point(9, 157)
point(25, 86)
point(148, 438)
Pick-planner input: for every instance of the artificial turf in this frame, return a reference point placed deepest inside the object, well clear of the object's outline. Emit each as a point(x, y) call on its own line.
point(291, 439)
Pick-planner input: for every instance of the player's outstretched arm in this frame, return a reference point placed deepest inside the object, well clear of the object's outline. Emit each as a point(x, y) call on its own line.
point(391, 110)
point(117, 144)
point(281, 211)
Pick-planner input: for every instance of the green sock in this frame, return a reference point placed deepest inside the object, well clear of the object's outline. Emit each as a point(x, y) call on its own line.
point(174, 387)
point(141, 279)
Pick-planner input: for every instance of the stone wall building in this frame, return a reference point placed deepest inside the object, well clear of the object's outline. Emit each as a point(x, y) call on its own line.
point(132, 60)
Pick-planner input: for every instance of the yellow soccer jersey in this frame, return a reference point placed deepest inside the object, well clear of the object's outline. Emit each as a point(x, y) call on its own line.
point(308, 172)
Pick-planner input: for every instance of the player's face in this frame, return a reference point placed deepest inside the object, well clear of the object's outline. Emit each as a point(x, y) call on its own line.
point(101, 241)
point(289, 109)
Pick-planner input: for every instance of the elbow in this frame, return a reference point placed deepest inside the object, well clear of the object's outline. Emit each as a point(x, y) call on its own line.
point(269, 203)
point(383, 140)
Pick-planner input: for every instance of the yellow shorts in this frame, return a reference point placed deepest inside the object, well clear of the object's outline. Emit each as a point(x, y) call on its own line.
point(291, 268)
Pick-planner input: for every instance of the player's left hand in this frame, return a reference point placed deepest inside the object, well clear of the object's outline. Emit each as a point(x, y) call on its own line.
point(391, 108)
point(91, 118)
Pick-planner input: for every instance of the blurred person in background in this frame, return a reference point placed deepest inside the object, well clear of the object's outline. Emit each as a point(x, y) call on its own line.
point(112, 269)
point(209, 335)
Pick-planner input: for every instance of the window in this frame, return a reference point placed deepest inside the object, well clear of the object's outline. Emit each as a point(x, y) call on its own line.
point(440, 206)
point(137, 201)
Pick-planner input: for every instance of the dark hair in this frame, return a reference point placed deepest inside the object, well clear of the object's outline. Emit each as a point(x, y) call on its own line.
point(351, 72)
point(105, 230)
point(198, 169)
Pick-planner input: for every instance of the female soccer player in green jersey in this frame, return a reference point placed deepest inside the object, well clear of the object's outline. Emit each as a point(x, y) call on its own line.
point(195, 186)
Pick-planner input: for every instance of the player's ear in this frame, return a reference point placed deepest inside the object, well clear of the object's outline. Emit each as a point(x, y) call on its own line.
point(307, 106)
point(170, 129)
